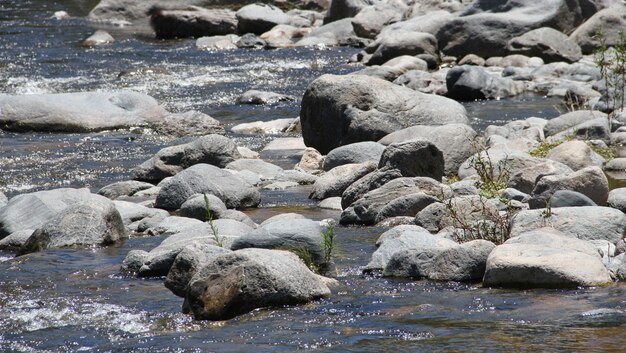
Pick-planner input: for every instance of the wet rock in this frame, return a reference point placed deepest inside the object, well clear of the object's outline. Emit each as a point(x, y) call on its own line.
point(250, 40)
point(414, 158)
point(589, 181)
point(359, 152)
point(190, 123)
point(569, 198)
point(205, 178)
point(609, 21)
point(338, 110)
point(525, 179)
point(130, 10)
point(546, 43)
point(402, 238)
point(15, 241)
point(286, 234)
point(398, 197)
point(99, 37)
point(386, 48)
point(123, 188)
point(485, 27)
point(78, 112)
point(215, 43)
point(265, 170)
point(262, 97)
point(331, 34)
point(235, 283)
point(187, 263)
point(260, 18)
point(192, 21)
point(576, 155)
point(212, 149)
point(334, 182)
point(94, 221)
point(196, 207)
point(587, 223)
point(472, 82)
point(545, 258)
point(371, 181)
point(451, 139)
point(31, 211)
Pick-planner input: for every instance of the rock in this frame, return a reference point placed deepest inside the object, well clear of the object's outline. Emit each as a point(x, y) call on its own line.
point(263, 127)
point(280, 185)
point(265, 170)
point(545, 258)
point(465, 188)
point(3, 200)
point(472, 82)
point(15, 241)
point(123, 188)
point(525, 179)
point(451, 139)
point(31, 211)
point(196, 207)
point(576, 155)
point(174, 224)
point(192, 21)
point(382, 72)
point(471, 209)
point(617, 164)
point(217, 150)
point(187, 263)
point(298, 234)
point(472, 59)
point(402, 238)
point(405, 63)
point(283, 217)
point(127, 10)
point(609, 21)
point(283, 36)
point(589, 181)
point(331, 203)
point(587, 222)
point(301, 178)
point(239, 217)
point(617, 267)
point(99, 37)
point(568, 198)
point(215, 43)
point(569, 120)
point(94, 221)
point(331, 34)
point(190, 123)
point(78, 112)
point(205, 178)
point(414, 158)
point(340, 9)
point(372, 181)
point(133, 213)
point(372, 19)
point(546, 43)
point(398, 197)
point(424, 82)
point(338, 110)
point(506, 162)
point(260, 18)
point(617, 199)
point(359, 152)
point(334, 182)
point(484, 27)
point(238, 282)
point(263, 97)
point(515, 130)
point(311, 161)
point(430, 22)
point(250, 40)
point(386, 48)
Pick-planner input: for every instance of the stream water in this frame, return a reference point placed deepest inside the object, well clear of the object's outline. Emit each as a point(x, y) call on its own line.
point(77, 300)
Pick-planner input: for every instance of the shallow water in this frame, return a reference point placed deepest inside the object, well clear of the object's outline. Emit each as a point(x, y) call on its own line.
point(77, 300)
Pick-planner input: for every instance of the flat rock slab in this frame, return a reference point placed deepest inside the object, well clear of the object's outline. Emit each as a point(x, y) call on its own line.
point(78, 112)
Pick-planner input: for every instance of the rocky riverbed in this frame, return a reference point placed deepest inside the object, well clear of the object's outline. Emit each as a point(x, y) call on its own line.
point(343, 176)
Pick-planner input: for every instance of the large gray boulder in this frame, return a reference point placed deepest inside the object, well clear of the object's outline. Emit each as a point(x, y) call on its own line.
point(371, 20)
point(568, 121)
point(260, 18)
point(131, 10)
point(414, 158)
point(388, 47)
point(196, 207)
point(451, 139)
point(235, 283)
point(95, 221)
point(546, 43)
point(371, 181)
point(525, 179)
point(340, 9)
point(331, 34)
point(134, 214)
point(31, 211)
point(589, 181)
point(402, 238)
point(587, 223)
point(192, 21)
point(78, 112)
point(339, 110)
point(123, 188)
point(205, 178)
point(286, 234)
point(469, 82)
point(358, 152)
point(576, 155)
point(485, 27)
point(337, 180)
point(617, 199)
point(213, 149)
point(545, 258)
point(265, 170)
point(609, 21)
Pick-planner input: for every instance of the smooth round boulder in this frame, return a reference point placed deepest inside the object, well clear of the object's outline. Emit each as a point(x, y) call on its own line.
point(359, 152)
point(192, 21)
point(414, 158)
point(547, 43)
point(259, 18)
point(334, 182)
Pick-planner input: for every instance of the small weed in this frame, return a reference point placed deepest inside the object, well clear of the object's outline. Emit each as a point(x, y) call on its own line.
point(328, 243)
point(306, 257)
point(607, 153)
point(493, 177)
point(544, 148)
point(209, 219)
point(612, 65)
point(547, 213)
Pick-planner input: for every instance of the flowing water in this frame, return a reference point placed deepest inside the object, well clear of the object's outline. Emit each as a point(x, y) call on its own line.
point(77, 300)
